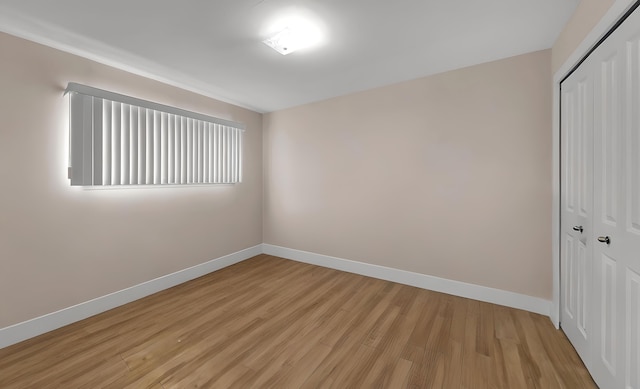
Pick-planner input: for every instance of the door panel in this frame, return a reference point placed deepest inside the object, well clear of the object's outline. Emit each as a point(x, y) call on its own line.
point(609, 209)
point(569, 272)
point(630, 234)
point(633, 330)
point(609, 118)
point(582, 307)
point(608, 311)
point(576, 205)
point(632, 124)
point(601, 277)
point(584, 141)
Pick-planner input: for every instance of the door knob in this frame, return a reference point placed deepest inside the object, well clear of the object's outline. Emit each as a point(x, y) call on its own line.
point(578, 228)
point(604, 239)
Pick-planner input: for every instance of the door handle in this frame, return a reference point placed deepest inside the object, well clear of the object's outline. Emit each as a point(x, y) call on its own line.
point(578, 228)
point(604, 239)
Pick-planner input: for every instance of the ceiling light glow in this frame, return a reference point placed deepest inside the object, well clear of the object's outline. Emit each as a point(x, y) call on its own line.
point(296, 35)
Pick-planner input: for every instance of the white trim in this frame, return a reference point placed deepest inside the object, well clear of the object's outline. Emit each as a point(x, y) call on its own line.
point(19, 26)
point(617, 10)
point(456, 288)
point(554, 313)
point(40, 325)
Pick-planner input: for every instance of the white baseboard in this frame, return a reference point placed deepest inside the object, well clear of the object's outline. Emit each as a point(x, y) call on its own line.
point(40, 325)
point(456, 288)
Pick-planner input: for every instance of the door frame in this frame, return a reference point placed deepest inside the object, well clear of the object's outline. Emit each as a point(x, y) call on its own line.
point(618, 9)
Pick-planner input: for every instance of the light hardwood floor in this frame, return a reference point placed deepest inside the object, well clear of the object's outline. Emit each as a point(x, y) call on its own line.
point(272, 323)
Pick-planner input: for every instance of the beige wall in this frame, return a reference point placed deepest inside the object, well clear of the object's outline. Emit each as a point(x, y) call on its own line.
point(59, 245)
point(448, 175)
point(584, 19)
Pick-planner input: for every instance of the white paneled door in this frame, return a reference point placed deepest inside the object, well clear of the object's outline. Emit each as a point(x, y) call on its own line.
point(600, 221)
point(609, 210)
point(630, 231)
point(577, 205)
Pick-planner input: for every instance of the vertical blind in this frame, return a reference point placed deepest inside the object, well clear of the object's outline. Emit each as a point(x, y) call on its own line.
point(121, 140)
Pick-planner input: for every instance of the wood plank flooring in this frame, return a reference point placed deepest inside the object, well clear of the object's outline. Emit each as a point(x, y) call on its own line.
point(272, 323)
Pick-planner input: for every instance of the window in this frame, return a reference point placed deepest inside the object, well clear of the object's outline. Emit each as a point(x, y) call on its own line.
point(121, 140)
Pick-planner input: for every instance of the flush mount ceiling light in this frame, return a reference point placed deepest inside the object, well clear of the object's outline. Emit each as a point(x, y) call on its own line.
point(293, 37)
point(283, 42)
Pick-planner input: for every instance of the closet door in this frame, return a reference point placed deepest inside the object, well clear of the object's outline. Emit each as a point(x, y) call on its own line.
point(609, 210)
point(576, 206)
point(616, 211)
point(631, 219)
point(601, 158)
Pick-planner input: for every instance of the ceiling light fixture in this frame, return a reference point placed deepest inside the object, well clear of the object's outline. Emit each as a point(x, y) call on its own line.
point(283, 42)
point(294, 37)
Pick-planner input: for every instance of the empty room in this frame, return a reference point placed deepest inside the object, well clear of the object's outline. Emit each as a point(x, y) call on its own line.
point(320, 194)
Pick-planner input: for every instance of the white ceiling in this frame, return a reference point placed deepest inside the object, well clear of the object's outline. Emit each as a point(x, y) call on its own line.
point(214, 47)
